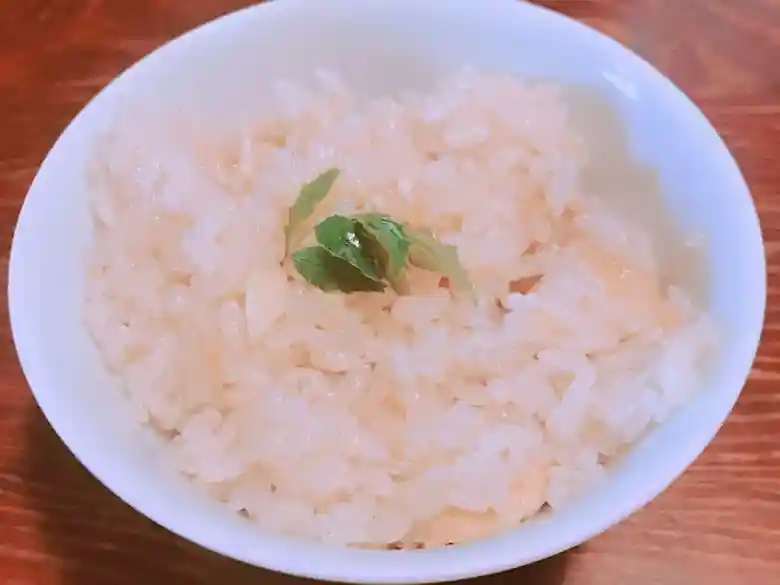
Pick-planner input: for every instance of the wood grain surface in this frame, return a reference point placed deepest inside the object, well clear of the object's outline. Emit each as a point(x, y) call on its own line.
point(718, 525)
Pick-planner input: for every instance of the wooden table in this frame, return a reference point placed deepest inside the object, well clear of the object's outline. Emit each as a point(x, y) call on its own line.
point(719, 525)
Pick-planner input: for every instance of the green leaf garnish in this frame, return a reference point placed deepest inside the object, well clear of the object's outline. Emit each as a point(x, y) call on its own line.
point(329, 273)
point(310, 196)
point(391, 239)
point(344, 238)
point(366, 251)
point(426, 252)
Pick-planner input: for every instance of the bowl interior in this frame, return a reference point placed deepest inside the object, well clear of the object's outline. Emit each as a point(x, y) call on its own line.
point(654, 150)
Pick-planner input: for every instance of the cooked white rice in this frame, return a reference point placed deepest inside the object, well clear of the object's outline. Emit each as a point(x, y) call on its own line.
point(372, 419)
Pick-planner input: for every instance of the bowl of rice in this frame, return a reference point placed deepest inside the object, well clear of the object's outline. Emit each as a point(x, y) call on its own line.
point(388, 292)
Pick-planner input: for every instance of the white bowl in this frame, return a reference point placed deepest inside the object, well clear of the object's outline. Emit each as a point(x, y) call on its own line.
point(381, 46)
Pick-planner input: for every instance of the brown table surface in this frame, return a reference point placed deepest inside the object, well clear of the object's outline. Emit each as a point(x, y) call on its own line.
point(718, 525)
